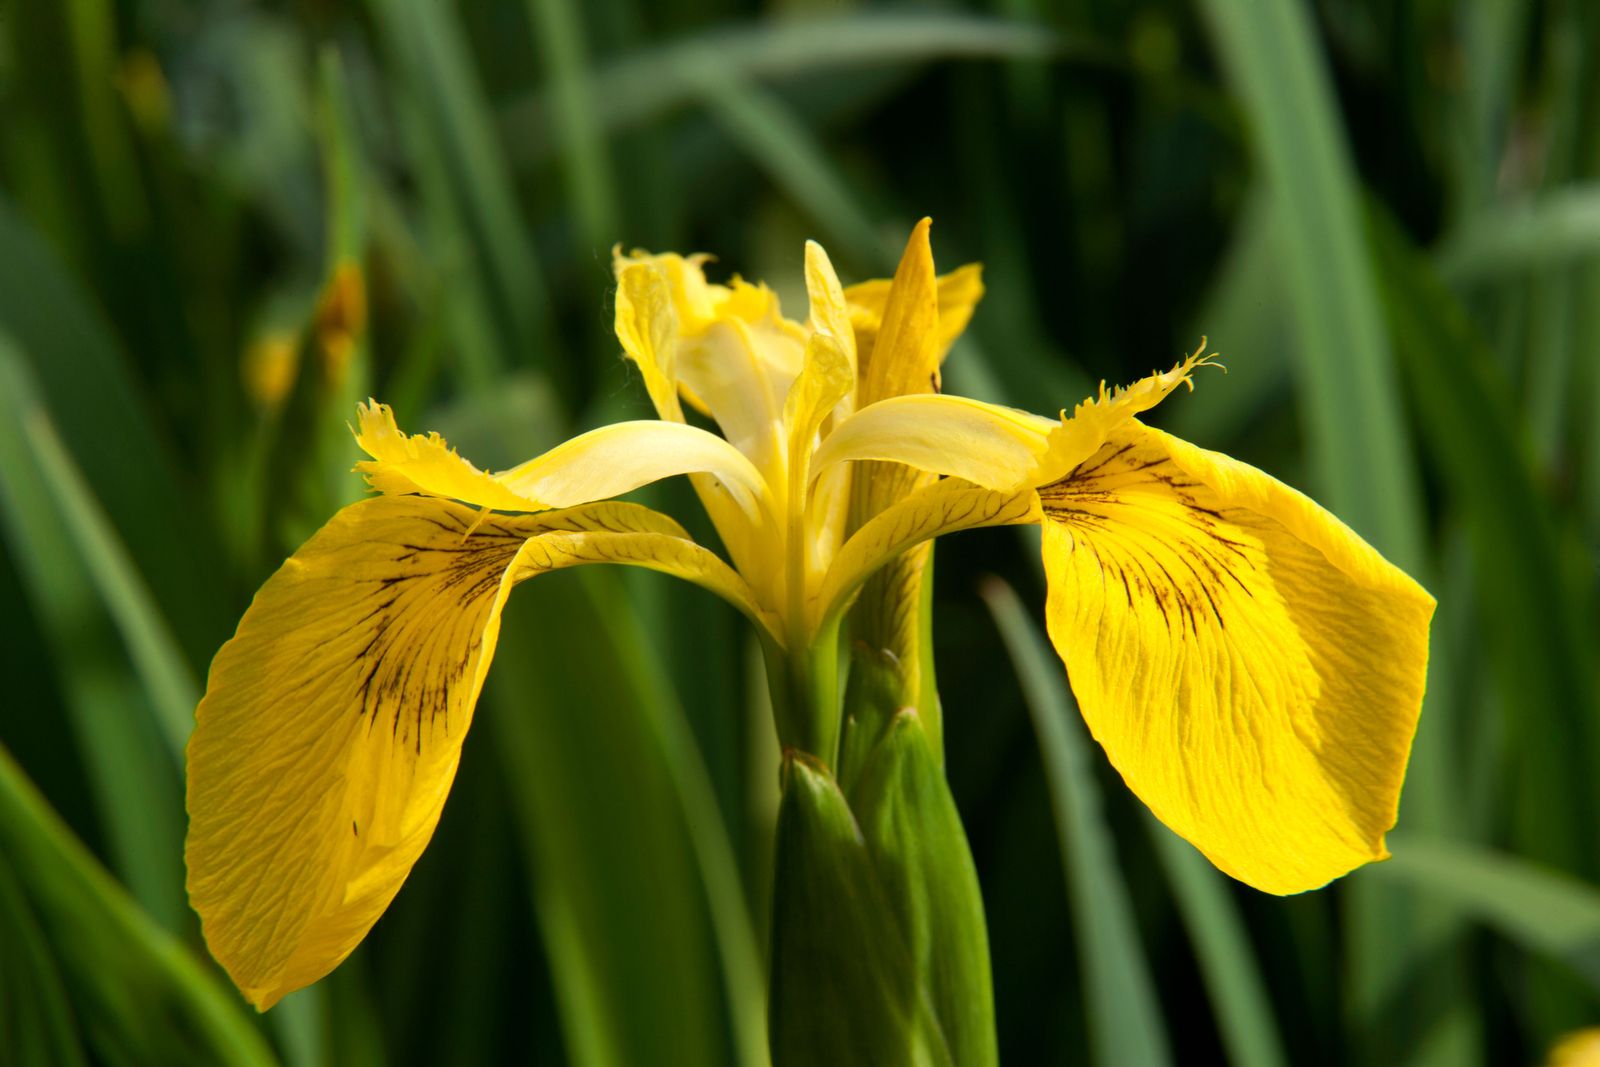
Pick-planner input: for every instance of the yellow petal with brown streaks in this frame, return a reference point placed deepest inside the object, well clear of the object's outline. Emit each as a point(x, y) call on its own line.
point(332, 723)
point(1251, 666)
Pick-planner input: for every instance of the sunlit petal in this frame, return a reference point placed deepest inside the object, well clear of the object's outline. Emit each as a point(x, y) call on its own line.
point(956, 298)
point(647, 326)
point(333, 720)
point(1578, 1049)
point(720, 370)
point(904, 354)
point(829, 313)
point(1252, 668)
point(618, 458)
point(1097, 418)
point(996, 447)
point(419, 463)
point(822, 391)
point(671, 323)
point(941, 508)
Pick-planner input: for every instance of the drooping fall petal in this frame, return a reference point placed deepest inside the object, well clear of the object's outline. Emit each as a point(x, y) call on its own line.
point(1251, 666)
point(333, 719)
point(1096, 419)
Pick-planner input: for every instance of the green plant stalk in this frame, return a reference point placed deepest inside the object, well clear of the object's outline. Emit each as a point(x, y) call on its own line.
point(879, 940)
point(804, 683)
point(138, 993)
point(879, 952)
point(842, 988)
point(929, 881)
point(891, 667)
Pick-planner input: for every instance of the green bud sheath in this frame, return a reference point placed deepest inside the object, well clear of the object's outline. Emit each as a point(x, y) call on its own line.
point(924, 867)
point(844, 988)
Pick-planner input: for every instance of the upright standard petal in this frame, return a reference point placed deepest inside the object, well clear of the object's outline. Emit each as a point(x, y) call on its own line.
point(333, 719)
point(828, 376)
point(646, 324)
point(955, 297)
point(667, 321)
point(1251, 666)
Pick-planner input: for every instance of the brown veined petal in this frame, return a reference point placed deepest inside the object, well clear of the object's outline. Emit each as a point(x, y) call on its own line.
point(1097, 418)
point(1251, 666)
point(333, 719)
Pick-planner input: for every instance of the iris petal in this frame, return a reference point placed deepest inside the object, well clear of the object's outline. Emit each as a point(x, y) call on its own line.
point(1251, 666)
point(994, 446)
point(332, 724)
point(333, 720)
point(426, 464)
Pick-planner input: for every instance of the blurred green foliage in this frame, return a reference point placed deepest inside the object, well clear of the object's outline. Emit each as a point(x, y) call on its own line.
point(1385, 216)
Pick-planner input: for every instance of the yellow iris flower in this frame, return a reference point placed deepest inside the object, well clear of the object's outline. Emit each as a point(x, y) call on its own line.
point(1579, 1049)
point(1251, 667)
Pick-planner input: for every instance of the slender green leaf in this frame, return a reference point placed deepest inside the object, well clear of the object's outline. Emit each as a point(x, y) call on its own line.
point(558, 34)
point(1345, 367)
point(140, 995)
point(518, 420)
point(612, 848)
point(36, 1021)
point(133, 776)
point(1557, 228)
point(1492, 35)
point(1124, 1012)
point(100, 412)
point(458, 137)
point(301, 1020)
point(459, 299)
point(643, 86)
point(1345, 377)
point(339, 326)
point(713, 851)
point(1238, 994)
point(778, 144)
point(162, 671)
point(1245, 320)
point(1530, 605)
point(1545, 911)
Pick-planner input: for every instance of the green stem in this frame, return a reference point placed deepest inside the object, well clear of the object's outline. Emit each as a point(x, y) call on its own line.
point(804, 683)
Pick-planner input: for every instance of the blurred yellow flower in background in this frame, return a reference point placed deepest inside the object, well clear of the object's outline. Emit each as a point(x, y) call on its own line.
point(1579, 1049)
